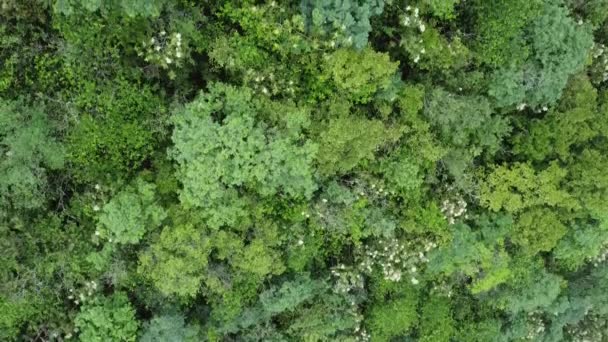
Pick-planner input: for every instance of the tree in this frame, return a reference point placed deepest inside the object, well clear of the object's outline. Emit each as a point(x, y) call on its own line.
point(220, 148)
point(394, 311)
point(467, 126)
point(558, 49)
point(349, 20)
point(360, 75)
point(171, 327)
point(29, 151)
point(517, 187)
point(130, 214)
point(107, 318)
point(436, 322)
point(177, 261)
point(349, 141)
point(480, 254)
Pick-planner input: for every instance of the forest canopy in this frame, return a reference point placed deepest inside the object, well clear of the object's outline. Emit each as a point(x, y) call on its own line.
point(304, 170)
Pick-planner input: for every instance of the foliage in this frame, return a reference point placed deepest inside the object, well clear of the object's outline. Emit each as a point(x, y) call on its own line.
point(436, 323)
point(116, 132)
point(349, 141)
point(29, 151)
point(168, 327)
point(313, 170)
point(480, 255)
point(519, 187)
point(360, 75)
point(107, 318)
point(394, 314)
point(575, 121)
point(347, 22)
point(176, 262)
point(219, 147)
point(131, 8)
point(499, 27)
point(559, 48)
point(127, 217)
point(468, 128)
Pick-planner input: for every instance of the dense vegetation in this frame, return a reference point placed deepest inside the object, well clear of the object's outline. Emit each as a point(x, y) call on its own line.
point(314, 170)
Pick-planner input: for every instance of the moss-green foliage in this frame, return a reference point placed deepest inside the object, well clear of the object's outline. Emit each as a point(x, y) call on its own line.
point(519, 187)
point(131, 8)
point(311, 170)
point(436, 322)
point(577, 119)
point(499, 31)
point(116, 132)
point(107, 318)
point(29, 151)
point(394, 312)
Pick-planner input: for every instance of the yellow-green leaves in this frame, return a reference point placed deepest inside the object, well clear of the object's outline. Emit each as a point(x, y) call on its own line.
point(348, 141)
point(176, 262)
point(359, 75)
point(519, 187)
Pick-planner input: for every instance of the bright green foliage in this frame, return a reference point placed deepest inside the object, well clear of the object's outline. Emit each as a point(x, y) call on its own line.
point(360, 75)
point(436, 322)
point(558, 49)
point(220, 148)
point(258, 259)
point(107, 319)
point(130, 214)
point(28, 151)
point(176, 262)
point(589, 183)
point(538, 230)
point(519, 187)
point(347, 142)
point(169, 328)
point(347, 22)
